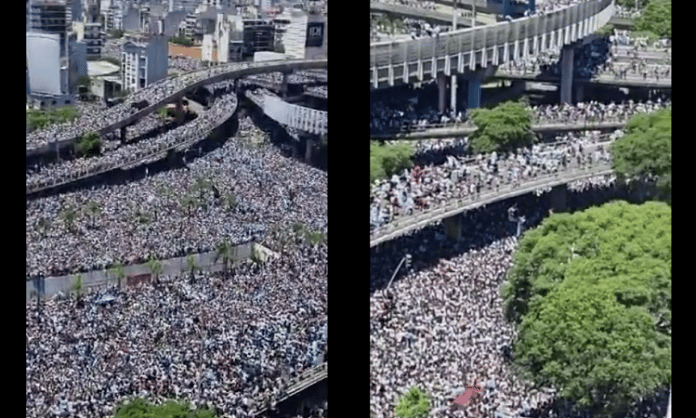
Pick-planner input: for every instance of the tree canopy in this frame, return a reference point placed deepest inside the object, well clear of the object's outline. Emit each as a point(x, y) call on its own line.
point(592, 294)
point(386, 160)
point(656, 18)
point(88, 144)
point(646, 149)
point(39, 119)
point(414, 404)
point(139, 408)
point(503, 128)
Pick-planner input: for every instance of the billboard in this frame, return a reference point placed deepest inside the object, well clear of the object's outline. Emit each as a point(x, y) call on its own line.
point(43, 54)
point(315, 34)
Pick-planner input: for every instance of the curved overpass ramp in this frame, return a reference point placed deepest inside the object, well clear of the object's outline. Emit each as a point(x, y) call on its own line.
point(190, 81)
point(467, 50)
point(423, 14)
point(408, 224)
point(298, 117)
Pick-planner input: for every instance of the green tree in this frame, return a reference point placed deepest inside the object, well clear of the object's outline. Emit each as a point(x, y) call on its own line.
point(646, 150)
point(118, 272)
point(386, 160)
point(414, 404)
point(78, 287)
point(69, 216)
point(94, 209)
point(140, 408)
point(155, 267)
point(181, 40)
point(592, 294)
point(506, 127)
point(88, 145)
point(225, 252)
point(44, 226)
point(191, 266)
point(656, 18)
point(118, 33)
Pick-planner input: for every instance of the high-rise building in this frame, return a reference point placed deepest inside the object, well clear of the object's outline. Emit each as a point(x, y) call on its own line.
point(144, 60)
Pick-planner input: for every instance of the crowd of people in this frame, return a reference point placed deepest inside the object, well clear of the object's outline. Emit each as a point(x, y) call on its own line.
point(405, 112)
point(440, 325)
point(189, 133)
point(626, 12)
point(227, 342)
point(91, 122)
point(183, 63)
point(167, 215)
point(419, 190)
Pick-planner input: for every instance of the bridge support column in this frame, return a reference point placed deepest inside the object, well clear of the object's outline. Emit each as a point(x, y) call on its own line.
point(284, 85)
point(558, 197)
point(453, 93)
point(567, 56)
point(442, 91)
point(309, 142)
point(579, 93)
point(123, 135)
point(474, 91)
point(453, 227)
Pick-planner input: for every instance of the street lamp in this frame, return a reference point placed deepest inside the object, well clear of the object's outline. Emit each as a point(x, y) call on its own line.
point(407, 259)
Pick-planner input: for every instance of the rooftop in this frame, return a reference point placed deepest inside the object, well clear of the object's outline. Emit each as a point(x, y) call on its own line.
point(101, 68)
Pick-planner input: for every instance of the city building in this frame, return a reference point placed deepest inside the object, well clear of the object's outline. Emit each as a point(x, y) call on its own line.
point(144, 60)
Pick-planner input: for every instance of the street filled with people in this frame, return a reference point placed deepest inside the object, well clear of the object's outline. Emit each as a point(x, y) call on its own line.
point(154, 93)
point(421, 190)
point(198, 129)
point(229, 342)
point(406, 111)
point(440, 325)
point(169, 214)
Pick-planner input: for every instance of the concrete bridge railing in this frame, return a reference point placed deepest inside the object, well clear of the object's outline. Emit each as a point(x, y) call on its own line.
point(303, 381)
point(468, 49)
point(294, 116)
point(407, 224)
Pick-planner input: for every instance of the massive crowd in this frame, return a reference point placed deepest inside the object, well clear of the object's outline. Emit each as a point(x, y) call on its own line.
point(405, 112)
point(440, 326)
point(221, 110)
point(252, 189)
point(90, 122)
point(230, 343)
point(420, 190)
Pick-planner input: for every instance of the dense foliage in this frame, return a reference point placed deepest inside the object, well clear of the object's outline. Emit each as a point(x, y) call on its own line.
point(656, 18)
point(504, 128)
point(88, 144)
point(39, 119)
point(181, 40)
point(139, 408)
point(414, 404)
point(386, 160)
point(592, 294)
point(645, 150)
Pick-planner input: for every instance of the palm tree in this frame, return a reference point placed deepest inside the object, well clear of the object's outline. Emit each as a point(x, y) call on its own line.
point(94, 209)
point(78, 287)
point(191, 265)
point(118, 272)
point(155, 267)
point(69, 215)
point(224, 252)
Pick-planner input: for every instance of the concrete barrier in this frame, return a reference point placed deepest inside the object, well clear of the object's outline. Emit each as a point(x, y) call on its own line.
point(176, 266)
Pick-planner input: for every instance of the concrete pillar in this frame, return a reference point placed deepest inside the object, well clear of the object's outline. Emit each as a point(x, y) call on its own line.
point(453, 227)
point(123, 134)
point(453, 94)
point(567, 56)
point(558, 198)
point(474, 91)
point(284, 85)
point(442, 91)
point(308, 150)
point(579, 93)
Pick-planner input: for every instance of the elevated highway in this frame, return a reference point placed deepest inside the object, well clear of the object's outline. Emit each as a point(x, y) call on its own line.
point(467, 50)
point(179, 87)
point(297, 117)
point(304, 381)
point(631, 80)
point(432, 16)
point(449, 209)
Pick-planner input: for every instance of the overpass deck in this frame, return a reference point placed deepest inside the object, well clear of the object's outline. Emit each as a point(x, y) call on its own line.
point(305, 380)
point(414, 222)
point(606, 79)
